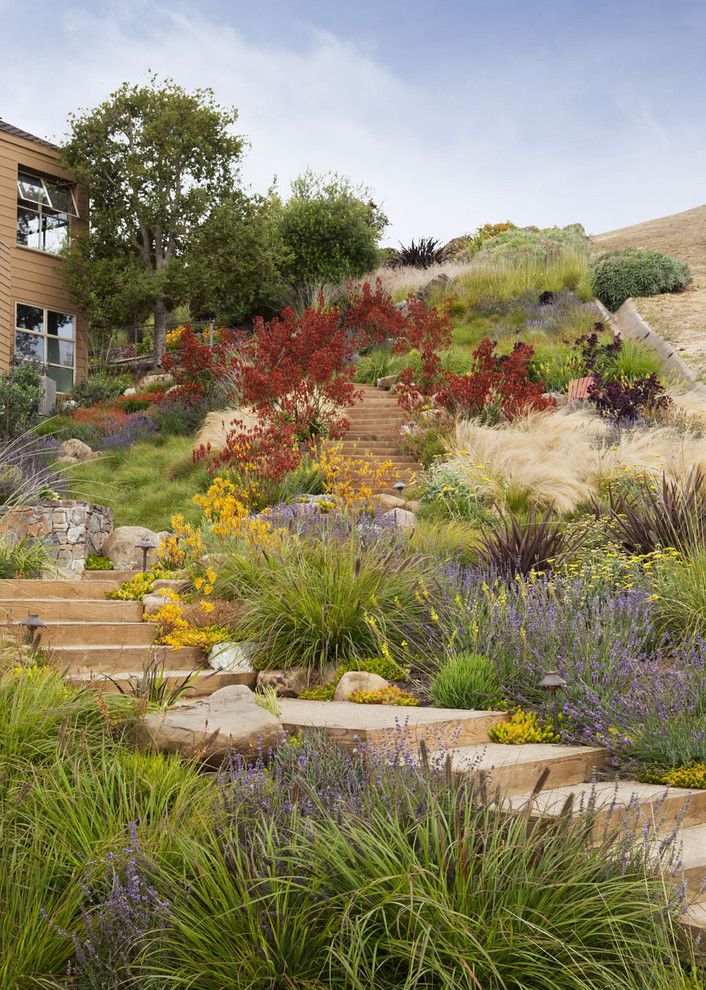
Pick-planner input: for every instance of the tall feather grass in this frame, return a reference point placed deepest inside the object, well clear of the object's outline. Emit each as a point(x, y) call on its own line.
point(561, 459)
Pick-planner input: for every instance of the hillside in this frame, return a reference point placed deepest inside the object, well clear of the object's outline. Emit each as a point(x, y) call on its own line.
point(680, 318)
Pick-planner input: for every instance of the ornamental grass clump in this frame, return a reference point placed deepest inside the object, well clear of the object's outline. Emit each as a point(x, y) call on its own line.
point(469, 680)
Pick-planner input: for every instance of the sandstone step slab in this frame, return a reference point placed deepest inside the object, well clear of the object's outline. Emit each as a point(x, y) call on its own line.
point(695, 921)
point(119, 576)
point(516, 769)
point(351, 724)
point(204, 683)
point(628, 801)
point(378, 447)
point(89, 633)
point(692, 842)
point(106, 659)
point(71, 610)
point(23, 588)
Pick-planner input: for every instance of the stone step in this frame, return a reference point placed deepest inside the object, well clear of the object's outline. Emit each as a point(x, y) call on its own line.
point(517, 769)
point(693, 847)
point(695, 920)
point(381, 458)
point(88, 633)
point(119, 576)
point(350, 724)
point(71, 610)
point(380, 447)
point(205, 682)
point(655, 805)
point(108, 658)
point(23, 588)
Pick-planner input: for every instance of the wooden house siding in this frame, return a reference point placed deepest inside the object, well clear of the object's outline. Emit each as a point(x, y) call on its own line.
point(28, 275)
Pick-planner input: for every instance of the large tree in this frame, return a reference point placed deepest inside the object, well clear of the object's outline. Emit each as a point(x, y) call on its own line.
point(156, 160)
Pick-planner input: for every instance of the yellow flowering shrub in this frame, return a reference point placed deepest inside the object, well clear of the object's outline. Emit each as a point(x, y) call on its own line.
point(391, 695)
point(183, 545)
point(137, 587)
point(523, 727)
point(353, 480)
point(174, 630)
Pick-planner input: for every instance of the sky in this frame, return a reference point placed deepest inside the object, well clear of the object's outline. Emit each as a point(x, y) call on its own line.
point(454, 113)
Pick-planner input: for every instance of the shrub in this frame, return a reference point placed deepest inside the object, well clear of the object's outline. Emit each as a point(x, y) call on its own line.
point(175, 417)
point(618, 275)
point(94, 562)
point(330, 230)
point(627, 402)
point(21, 391)
point(100, 386)
point(679, 584)
point(198, 369)
point(527, 245)
point(511, 546)
point(496, 386)
point(692, 775)
point(467, 681)
point(425, 253)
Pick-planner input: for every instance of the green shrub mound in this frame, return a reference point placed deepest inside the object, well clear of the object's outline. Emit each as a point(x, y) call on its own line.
point(618, 275)
point(467, 681)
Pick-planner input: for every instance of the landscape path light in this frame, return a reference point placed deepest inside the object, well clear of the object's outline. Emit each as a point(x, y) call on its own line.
point(145, 545)
point(33, 624)
point(554, 682)
point(400, 486)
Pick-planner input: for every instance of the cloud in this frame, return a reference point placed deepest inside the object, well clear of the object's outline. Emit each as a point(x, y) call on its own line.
point(507, 141)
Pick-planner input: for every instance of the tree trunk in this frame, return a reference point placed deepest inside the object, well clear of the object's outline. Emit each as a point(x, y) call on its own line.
point(160, 329)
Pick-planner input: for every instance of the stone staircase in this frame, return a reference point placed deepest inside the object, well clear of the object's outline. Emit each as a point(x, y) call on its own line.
point(375, 433)
point(89, 637)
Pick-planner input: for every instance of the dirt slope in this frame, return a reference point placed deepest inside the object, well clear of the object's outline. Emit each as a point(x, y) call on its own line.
point(680, 317)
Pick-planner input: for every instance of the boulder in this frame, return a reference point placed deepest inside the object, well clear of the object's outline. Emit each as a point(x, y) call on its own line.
point(218, 424)
point(236, 658)
point(404, 519)
point(130, 391)
point(358, 680)
point(229, 721)
point(161, 379)
point(76, 451)
point(153, 602)
point(387, 502)
point(168, 584)
point(287, 683)
point(413, 506)
point(387, 381)
point(120, 546)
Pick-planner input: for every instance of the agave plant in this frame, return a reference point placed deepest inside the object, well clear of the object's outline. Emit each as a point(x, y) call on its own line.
point(425, 253)
point(672, 515)
point(511, 546)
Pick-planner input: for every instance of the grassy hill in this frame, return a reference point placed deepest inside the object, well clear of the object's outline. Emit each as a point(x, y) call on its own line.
point(680, 318)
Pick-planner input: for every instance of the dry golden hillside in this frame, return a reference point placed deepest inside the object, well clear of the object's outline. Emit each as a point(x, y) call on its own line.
point(680, 317)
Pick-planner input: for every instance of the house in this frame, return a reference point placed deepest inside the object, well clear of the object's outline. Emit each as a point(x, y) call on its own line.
point(40, 207)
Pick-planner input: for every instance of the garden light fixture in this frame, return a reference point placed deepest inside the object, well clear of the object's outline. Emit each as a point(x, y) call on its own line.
point(554, 682)
point(33, 624)
point(400, 486)
point(145, 545)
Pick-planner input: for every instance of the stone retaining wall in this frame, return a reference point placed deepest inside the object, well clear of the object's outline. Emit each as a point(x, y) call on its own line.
point(69, 529)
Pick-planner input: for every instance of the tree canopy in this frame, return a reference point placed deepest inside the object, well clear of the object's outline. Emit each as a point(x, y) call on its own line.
point(156, 160)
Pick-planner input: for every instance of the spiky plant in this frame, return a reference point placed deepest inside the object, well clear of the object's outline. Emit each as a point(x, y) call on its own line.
point(512, 546)
point(422, 254)
point(671, 515)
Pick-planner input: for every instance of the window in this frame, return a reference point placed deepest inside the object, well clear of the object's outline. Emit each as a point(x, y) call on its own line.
point(49, 338)
point(43, 211)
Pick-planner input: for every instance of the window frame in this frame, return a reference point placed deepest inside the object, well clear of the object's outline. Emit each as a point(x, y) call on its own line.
point(46, 336)
point(42, 209)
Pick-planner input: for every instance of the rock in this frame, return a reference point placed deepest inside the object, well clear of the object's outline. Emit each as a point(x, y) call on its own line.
point(229, 721)
point(358, 680)
point(387, 381)
point(153, 602)
point(438, 282)
point(76, 451)
point(287, 683)
point(167, 584)
point(161, 379)
point(413, 506)
point(218, 424)
point(387, 502)
point(235, 658)
point(404, 518)
point(130, 391)
point(457, 249)
point(120, 546)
